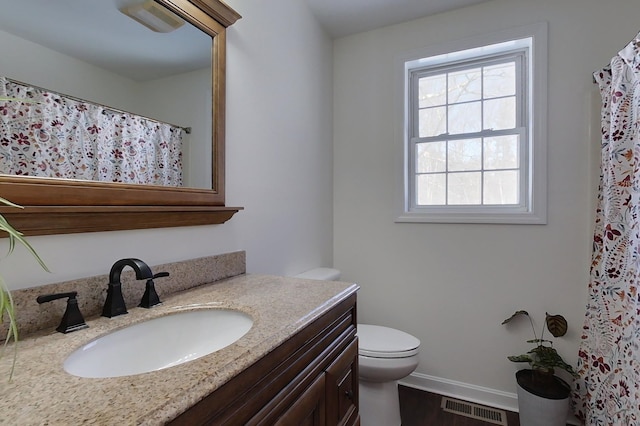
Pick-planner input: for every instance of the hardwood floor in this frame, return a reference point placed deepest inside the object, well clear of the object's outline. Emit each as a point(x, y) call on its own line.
point(420, 408)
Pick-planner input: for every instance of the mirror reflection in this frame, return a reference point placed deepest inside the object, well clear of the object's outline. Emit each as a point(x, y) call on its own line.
point(86, 68)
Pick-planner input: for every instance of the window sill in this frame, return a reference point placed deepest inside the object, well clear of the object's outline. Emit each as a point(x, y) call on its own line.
point(527, 218)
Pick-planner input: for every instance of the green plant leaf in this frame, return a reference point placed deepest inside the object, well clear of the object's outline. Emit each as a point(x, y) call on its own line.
point(516, 314)
point(547, 358)
point(520, 358)
point(556, 324)
point(7, 306)
point(9, 203)
point(16, 236)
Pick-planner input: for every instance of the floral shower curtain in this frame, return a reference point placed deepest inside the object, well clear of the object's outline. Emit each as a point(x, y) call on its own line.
point(608, 391)
point(56, 136)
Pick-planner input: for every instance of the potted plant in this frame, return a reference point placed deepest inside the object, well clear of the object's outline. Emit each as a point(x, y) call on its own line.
point(7, 307)
point(543, 397)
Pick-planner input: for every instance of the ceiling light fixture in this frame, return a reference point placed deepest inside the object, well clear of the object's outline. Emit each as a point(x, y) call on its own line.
point(153, 16)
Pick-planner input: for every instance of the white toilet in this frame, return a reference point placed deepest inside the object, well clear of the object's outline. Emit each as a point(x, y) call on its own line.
point(385, 355)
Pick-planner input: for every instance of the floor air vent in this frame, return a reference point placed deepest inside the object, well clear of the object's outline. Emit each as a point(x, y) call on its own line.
point(474, 411)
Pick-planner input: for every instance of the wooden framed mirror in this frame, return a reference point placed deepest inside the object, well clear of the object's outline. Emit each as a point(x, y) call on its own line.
point(61, 206)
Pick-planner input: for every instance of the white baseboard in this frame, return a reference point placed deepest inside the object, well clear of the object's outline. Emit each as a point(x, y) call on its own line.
point(467, 392)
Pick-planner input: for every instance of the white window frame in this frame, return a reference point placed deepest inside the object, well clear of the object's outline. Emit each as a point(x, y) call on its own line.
point(532, 40)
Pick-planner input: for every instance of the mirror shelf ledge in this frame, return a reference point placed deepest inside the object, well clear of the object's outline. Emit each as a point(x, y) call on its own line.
point(51, 220)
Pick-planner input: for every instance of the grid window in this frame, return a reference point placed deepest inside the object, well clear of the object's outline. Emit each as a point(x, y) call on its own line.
point(469, 142)
point(468, 133)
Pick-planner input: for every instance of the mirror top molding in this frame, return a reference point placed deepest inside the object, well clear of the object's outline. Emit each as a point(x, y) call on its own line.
point(211, 16)
point(218, 11)
point(55, 206)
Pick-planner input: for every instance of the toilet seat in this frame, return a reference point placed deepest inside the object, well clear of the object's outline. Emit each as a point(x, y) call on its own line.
point(383, 342)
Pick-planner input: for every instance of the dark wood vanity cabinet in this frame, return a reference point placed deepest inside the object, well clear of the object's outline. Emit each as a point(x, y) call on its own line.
point(310, 379)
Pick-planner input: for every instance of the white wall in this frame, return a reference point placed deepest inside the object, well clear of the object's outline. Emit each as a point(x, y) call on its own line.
point(451, 285)
point(279, 157)
point(32, 63)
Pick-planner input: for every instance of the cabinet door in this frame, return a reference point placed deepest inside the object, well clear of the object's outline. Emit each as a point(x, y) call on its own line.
point(308, 409)
point(342, 388)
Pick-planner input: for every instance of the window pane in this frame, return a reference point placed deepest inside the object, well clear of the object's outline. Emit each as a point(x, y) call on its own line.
point(500, 113)
point(432, 122)
point(431, 190)
point(500, 80)
point(501, 187)
point(469, 147)
point(465, 188)
point(432, 91)
point(465, 155)
point(465, 86)
point(431, 157)
point(501, 152)
point(464, 118)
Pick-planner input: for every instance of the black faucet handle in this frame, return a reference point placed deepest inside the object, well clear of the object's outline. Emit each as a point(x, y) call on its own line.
point(150, 297)
point(72, 320)
point(160, 275)
point(49, 297)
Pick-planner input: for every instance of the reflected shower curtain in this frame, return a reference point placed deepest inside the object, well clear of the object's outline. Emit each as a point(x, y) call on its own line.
point(608, 390)
point(57, 136)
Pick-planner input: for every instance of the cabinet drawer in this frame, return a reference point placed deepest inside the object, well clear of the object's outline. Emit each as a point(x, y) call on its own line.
point(342, 387)
point(309, 408)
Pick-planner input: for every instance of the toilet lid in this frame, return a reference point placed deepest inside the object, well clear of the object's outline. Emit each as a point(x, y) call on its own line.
point(383, 342)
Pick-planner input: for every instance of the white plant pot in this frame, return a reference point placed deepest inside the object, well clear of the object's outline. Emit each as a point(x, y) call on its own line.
point(535, 410)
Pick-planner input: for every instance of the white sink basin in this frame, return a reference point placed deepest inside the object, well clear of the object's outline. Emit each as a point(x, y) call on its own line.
point(158, 343)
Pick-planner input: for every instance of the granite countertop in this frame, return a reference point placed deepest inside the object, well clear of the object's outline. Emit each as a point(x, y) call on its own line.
point(41, 392)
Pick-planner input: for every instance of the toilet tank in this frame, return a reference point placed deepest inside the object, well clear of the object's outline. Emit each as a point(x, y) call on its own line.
point(324, 274)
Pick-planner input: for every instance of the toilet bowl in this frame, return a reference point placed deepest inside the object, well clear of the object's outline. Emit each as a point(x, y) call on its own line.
point(385, 355)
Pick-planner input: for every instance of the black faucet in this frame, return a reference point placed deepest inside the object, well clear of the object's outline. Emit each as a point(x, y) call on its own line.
point(114, 305)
